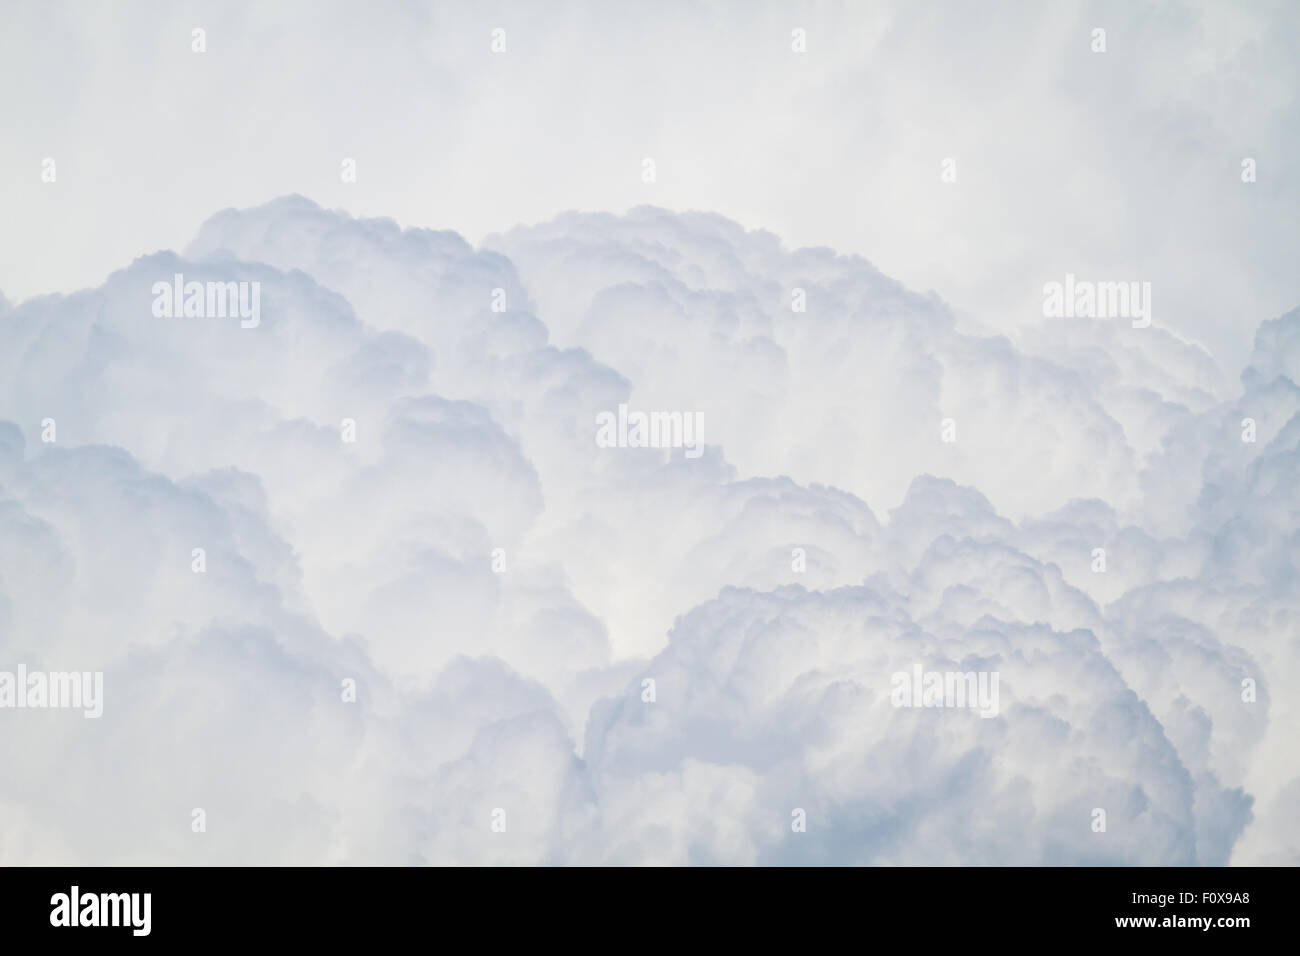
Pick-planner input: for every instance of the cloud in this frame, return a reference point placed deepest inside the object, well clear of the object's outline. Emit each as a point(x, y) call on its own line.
point(499, 586)
point(1119, 165)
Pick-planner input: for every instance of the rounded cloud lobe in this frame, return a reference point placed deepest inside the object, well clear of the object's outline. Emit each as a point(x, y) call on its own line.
point(634, 655)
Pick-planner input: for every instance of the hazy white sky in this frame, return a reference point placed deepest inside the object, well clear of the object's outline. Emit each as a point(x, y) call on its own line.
point(1118, 165)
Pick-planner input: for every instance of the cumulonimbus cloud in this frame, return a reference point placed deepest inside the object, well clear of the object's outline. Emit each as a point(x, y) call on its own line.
point(499, 589)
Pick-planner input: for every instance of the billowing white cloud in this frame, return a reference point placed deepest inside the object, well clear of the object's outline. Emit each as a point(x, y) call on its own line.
point(500, 588)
